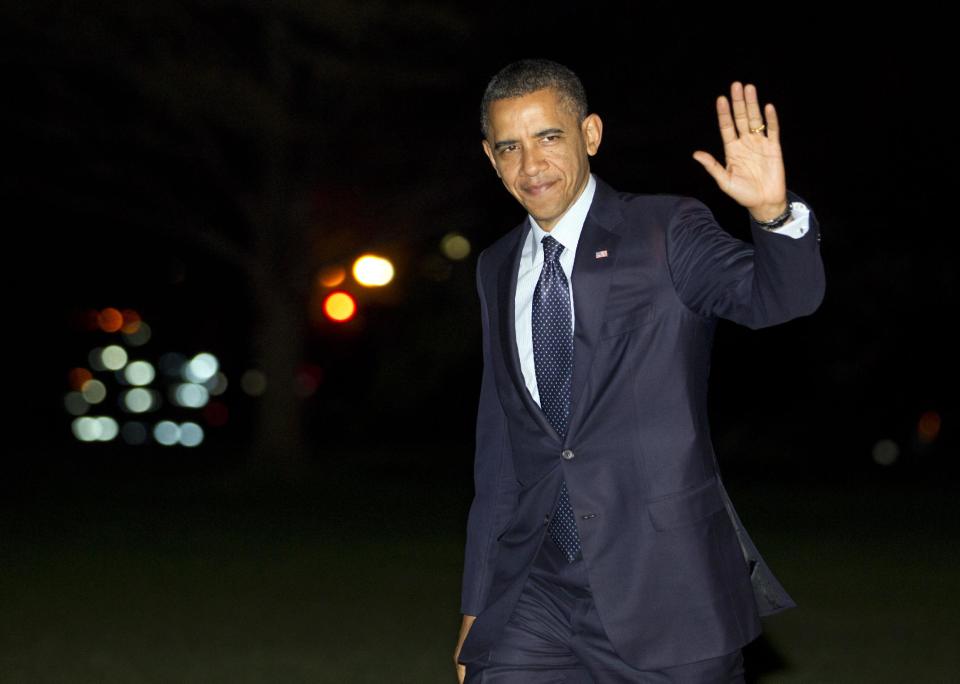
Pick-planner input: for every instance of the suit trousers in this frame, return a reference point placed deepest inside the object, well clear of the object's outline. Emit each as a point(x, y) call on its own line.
point(555, 635)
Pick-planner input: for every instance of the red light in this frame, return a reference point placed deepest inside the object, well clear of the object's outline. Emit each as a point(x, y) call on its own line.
point(110, 320)
point(78, 376)
point(339, 306)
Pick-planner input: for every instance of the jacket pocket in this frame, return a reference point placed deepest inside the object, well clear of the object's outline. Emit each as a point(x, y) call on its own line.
point(686, 507)
point(627, 322)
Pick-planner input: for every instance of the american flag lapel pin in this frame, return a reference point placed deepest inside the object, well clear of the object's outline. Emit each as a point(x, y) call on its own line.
point(602, 254)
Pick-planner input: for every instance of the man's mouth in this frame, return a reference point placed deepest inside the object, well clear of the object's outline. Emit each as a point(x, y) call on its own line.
point(538, 188)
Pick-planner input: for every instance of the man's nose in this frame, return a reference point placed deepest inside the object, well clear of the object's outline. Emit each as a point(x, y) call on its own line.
point(533, 161)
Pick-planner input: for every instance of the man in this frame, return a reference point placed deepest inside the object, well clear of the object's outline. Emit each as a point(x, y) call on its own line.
point(601, 545)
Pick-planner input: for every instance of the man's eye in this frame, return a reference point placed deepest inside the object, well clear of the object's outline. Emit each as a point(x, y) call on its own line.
point(551, 138)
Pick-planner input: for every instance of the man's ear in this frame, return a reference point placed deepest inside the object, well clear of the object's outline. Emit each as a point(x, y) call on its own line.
point(487, 150)
point(592, 129)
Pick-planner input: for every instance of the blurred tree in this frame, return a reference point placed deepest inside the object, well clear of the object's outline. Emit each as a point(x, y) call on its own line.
point(230, 127)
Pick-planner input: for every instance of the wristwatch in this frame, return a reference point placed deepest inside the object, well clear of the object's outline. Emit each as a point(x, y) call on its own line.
point(778, 221)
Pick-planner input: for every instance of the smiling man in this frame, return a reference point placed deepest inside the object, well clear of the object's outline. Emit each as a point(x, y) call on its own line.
point(601, 544)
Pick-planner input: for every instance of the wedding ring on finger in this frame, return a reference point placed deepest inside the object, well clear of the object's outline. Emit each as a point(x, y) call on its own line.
point(758, 129)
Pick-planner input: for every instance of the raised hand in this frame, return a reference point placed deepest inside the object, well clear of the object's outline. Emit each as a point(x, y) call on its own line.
point(754, 174)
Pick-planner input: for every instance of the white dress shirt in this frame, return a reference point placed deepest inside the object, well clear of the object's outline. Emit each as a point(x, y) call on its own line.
point(567, 233)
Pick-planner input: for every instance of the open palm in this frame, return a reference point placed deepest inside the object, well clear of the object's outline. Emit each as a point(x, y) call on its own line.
point(754, 174)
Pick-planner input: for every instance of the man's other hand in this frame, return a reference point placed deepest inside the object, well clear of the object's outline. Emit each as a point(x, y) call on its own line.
point(465, 626)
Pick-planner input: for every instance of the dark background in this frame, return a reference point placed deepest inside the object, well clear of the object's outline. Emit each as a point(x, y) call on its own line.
point(203, 162)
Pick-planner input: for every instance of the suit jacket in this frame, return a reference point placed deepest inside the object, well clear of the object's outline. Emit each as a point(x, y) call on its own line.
point(674, 575)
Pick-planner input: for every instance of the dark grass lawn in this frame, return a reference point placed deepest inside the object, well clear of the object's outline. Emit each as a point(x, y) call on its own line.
point(353, 576)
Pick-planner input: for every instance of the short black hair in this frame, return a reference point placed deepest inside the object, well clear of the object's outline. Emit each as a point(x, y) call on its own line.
point(530, 75)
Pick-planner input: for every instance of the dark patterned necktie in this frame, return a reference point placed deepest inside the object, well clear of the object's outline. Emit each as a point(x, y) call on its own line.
point(553, 360)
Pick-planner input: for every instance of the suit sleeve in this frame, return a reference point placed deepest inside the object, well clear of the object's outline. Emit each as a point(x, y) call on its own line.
point(773, 280)
point(495, 483)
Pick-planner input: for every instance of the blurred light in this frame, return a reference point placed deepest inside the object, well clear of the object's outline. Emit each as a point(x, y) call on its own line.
point(95, 358)
point(216, 414)
point(928, 427)
point(166, 432)
point(108, 428)
point(372, 271)
point(191, 434)
point(131, 321)
point(191, 395)
point(78, 376)
point(331, 276)
point(138, 337)
point(201, 368)
point(455, 247)
point(113, 357)
point(172, 364)
point(110, 320)
point(139, 373)
point(139, 400)
point(885, 452)
point(75, 404)
point(216, 385)
point(86, 429)
point(134, 432)
point(253, 382)
point(94, 391)
point(339, 306)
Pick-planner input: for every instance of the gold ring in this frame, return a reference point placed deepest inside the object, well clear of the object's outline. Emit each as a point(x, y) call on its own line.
point(758, 128)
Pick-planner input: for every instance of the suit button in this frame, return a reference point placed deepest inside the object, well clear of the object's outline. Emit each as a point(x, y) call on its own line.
point(567, 454)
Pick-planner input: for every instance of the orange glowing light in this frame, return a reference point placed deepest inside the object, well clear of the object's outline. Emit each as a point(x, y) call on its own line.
point(110, 320)
point(332, 276)
point(339, 306)
point(79, 376)
point(929, 426)
point(131, 321)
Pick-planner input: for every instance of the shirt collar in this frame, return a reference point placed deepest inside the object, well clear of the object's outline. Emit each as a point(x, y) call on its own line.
point(568, 228)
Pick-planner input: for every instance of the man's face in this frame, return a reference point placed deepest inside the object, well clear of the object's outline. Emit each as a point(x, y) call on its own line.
point(540, 152)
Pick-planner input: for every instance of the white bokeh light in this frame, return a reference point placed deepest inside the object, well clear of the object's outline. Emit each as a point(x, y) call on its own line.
point(138, 400)
point(166, 432)
point(94, 391)
point(139, 373)
point(191, 395)
point(108, 428)
point(86, 429)
point(113, 357)
point(191, 434)
point(201, 367)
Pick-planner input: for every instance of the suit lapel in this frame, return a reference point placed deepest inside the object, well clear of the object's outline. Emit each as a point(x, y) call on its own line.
point(507, 306)
point(592, 271)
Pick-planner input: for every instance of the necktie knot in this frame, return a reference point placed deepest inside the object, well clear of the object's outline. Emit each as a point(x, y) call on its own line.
point(551, 248)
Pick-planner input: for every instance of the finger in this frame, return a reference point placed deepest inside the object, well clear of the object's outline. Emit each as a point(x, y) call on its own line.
point(754, 117)
point(739, 108)
point(773, 123)
point(728, 133)
point(713, 167)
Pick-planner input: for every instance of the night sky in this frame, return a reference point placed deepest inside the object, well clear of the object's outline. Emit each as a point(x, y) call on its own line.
point(153, 151)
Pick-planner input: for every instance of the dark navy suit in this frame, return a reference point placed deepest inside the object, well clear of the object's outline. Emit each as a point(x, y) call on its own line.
point(674, 576)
